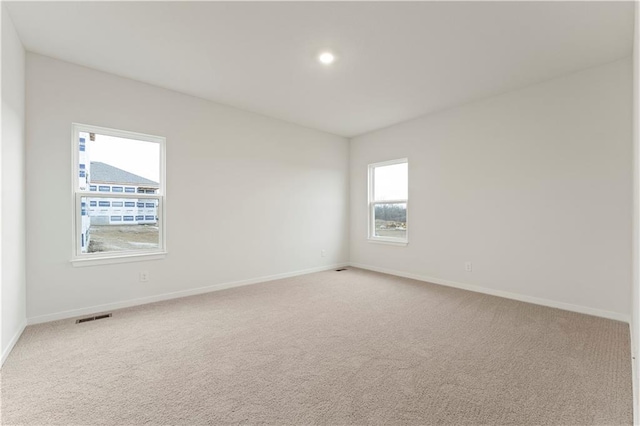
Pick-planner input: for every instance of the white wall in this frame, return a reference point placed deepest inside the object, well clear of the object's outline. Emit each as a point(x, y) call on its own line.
point(13, 289)
point(635, 293)
point(532, 186)
point(274, 194)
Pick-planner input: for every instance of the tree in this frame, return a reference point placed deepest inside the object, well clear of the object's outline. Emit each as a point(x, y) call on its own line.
point(391, 212)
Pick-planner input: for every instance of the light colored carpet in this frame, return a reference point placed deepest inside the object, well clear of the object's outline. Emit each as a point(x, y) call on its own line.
point(352, 347)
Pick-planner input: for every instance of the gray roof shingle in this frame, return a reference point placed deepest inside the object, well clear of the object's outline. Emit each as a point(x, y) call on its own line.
point(106, 173)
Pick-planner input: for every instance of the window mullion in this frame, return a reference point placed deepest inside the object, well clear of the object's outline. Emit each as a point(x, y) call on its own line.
point(95, 194)
point(390, 202)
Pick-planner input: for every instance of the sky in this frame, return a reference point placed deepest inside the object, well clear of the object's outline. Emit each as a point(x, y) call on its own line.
point(137, 157)
point(391, 182)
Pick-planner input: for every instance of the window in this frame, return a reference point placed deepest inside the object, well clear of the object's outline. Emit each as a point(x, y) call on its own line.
point(114, 164)
point(388, 201)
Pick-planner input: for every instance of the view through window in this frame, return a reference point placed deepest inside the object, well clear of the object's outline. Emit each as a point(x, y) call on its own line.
point(119, 193)
point(388, 200)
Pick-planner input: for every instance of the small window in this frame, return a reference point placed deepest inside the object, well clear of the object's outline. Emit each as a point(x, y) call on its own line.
point(115, 169)
point(389, 201)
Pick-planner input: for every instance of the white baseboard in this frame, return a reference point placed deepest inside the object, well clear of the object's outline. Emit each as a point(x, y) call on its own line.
point(508, 295)
point(174, 295)
point(216, 287)
point(634, 376)
point(634, 379)
point(12, 343)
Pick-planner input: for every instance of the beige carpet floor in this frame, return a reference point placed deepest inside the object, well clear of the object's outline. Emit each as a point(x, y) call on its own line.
point(334, 348)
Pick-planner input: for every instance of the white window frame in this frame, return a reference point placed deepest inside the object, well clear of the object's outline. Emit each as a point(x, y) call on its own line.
point(87, 259)
point(371, 234)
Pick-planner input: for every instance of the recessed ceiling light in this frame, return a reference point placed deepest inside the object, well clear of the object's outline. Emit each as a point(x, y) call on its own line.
point(326, 58)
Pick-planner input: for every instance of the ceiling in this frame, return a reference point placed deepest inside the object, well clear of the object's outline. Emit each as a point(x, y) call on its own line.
point(395, 61)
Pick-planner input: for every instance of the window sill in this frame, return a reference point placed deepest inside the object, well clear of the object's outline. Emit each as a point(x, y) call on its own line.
point(106, 260)
point(387, 242)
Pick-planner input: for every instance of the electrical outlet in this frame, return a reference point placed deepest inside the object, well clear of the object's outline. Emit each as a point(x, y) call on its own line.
point(143, 277)
point(323, 253)
point(468, 266)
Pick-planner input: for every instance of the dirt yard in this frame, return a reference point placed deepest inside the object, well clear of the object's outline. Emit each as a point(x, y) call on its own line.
point(123, 237)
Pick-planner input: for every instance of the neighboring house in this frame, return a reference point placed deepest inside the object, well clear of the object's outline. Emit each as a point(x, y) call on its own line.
point(114, 210)
point(120, 211)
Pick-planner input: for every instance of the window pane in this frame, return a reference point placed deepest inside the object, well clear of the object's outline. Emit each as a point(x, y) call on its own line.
point(118, 224)
point(391, 220)
point(113, 164)
point(390, 182)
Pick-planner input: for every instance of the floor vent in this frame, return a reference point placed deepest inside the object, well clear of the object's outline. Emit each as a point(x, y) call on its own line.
point(341, 269)
point(97, 317)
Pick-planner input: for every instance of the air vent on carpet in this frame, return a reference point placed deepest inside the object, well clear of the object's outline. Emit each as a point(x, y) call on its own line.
point(97, 317)
point(340, 270)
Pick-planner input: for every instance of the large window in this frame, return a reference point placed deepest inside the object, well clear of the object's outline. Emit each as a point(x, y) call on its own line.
point(119, 195)
point(388, 201)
